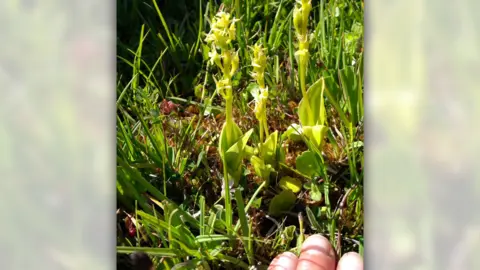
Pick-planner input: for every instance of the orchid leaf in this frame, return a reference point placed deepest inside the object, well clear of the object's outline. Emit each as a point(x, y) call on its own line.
point(293, 132)
point(315, 193)
point(287, 235)
point(234, 156)
point(308, 164)
point(261, 169)
point(249, 151)
point(290, 183)
point(315, 134)
point(282, 202)
point(312, 113)
point(268, 150)
point(230, 135)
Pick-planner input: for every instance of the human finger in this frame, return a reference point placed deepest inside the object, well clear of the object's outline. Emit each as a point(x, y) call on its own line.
point(350, 261)
point(284, 261)
point(316, 254)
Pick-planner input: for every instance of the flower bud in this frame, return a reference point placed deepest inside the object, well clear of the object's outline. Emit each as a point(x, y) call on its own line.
point(223, 87)
point(214, 57)
point(232, 31)
point(260, 95)
point(307, 7)
point(298, 20)
point(222, 30)
point(235, 63)
point(227, 60)
point(259, 62)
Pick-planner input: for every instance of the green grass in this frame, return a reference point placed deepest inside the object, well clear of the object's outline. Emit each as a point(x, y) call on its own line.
point(169, 169)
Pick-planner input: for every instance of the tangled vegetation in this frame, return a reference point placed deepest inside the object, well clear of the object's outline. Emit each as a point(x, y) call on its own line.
point(239, 129)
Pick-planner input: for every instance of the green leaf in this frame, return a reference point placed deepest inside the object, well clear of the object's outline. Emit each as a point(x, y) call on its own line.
point(315, 193)
point(173, 215)
point(315, 114)
point(234, 156)
point(268, 150)
point(307, 163)
point(186, 236)
point(182, 166)
point(244, 224)
point(249, 151)
point(315, 134)
point(211, 222)
point(282, 202)
point(313, 220)
point(236, 151)
point(261, 169)
point(163, 252)
point(289, 232)
point(286, 236)
point(293, 132)
point(229, 136)
point(175, 232)
point(217, 219)
point(349, 84)
point(312, 114)
point(212, 238)
point(119, 188)
point(257, 203)
point(333, 93)
point(290, 183)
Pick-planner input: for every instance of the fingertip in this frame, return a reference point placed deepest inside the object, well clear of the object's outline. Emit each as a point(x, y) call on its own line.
point(284, 261)
point(317, 253)
point(350, 261)
point(317, 240)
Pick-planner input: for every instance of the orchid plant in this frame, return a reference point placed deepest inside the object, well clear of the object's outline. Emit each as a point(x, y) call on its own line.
point(232, 141)
point(260, 92)
point(233, 146)
point(311, 109)
point(265, 162)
